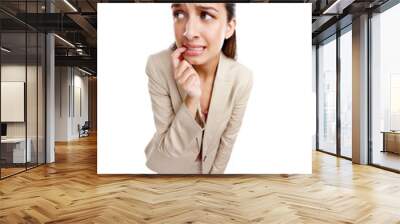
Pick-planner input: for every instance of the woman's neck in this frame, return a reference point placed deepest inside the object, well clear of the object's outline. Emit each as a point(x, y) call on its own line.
point(207, 71)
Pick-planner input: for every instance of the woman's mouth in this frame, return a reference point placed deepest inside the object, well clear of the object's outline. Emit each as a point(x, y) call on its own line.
point(194, 50)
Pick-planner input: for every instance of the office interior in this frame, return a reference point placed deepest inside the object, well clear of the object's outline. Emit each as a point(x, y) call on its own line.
point(48, 81)
point(49, 95)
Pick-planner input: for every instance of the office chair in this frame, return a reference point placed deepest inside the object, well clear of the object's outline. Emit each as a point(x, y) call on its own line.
point(84, 130)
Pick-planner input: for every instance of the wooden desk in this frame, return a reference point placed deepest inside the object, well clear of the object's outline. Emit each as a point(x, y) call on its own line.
point(13, 150)
point(391, 141)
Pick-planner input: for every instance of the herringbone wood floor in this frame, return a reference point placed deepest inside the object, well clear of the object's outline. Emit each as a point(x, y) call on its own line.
point(70, 191)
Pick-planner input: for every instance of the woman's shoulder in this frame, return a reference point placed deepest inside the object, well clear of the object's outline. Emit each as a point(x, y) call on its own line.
point(237, 71)
point(240, 76)
point(161, 58)
point(159, 65)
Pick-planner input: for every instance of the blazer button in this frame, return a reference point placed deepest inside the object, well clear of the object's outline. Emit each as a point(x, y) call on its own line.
point(204, 159)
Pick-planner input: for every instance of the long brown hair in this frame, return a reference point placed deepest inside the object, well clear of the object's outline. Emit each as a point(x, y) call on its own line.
point(229, 45)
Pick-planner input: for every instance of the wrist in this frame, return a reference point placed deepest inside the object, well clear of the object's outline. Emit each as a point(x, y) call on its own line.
point(192, 100)
point(191, 103)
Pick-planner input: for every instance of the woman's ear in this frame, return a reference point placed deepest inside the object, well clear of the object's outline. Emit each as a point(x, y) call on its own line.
point(231, 28)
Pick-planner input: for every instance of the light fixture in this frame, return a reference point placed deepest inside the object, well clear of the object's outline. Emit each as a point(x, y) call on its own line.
point(70, 5)
point(64, 40)
point(79, 51)
point(338, 6)
point(84, 71)
point(5, 50)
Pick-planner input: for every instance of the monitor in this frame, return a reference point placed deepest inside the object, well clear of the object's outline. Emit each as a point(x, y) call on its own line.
point(3, 129)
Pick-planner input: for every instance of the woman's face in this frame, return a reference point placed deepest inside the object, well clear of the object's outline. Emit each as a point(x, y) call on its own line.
point(202, 29)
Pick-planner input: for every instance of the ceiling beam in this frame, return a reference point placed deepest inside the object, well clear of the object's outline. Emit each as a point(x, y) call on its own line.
point(84, 24)
point(85, 61)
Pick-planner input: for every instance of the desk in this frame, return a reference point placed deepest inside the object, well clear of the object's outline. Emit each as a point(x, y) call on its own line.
point(15, 148)
point(391, 141)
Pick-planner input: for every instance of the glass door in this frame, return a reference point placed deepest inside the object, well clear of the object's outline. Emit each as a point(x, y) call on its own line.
point(346, 92)
point(327, 96)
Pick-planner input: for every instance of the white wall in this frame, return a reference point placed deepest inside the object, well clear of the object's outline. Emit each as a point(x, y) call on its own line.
point(62, 81)
point(80, 118)
point(70, 83)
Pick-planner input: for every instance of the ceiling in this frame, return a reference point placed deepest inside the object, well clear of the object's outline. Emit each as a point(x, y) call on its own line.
point(76, 22)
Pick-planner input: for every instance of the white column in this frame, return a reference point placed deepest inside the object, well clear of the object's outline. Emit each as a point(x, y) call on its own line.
point(360, 90)
point(50, 93)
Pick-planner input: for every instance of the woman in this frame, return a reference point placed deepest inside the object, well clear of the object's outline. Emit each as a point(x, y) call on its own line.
point(198, 92)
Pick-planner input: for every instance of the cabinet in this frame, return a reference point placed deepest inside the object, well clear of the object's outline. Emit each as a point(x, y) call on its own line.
point(391, 141)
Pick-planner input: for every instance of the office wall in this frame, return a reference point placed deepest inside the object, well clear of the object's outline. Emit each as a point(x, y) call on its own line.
point(12, 98)
point(15, 72)
point(62, 80)
point(71, 102)
point(80, 109)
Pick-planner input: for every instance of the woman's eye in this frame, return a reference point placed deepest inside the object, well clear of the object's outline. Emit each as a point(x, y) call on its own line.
point(205, 16)
point(178, 15)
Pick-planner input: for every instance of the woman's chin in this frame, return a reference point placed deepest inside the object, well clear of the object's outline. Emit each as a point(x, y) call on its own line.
point(194, 60)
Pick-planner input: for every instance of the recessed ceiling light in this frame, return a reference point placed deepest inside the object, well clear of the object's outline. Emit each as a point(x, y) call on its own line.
point(5, 50)
point(84, 71)
point(64, 40)
point(70, 5)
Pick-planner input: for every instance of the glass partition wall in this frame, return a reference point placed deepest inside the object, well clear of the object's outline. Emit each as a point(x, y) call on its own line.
point(334, 71)
point(22, 77)
point(335, 90)
point(345, 61)
point(327, 95)
point(13, 110)
point(385, 89)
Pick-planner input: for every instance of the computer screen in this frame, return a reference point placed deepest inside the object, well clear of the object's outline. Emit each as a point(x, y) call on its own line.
point(3, 129)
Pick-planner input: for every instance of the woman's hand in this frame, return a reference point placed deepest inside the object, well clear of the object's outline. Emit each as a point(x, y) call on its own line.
point(185, 75)
point(188, 79)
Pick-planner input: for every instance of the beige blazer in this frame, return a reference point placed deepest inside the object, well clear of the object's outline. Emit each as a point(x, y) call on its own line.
point(177, 141)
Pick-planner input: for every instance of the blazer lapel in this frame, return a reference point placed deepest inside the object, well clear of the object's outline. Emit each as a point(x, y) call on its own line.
point(183, 95)
point(219, 96)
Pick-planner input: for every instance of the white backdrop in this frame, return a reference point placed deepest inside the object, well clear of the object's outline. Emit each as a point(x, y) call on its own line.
point(274, 41)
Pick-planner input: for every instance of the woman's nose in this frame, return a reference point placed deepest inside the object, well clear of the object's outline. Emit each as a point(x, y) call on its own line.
point(191, 29)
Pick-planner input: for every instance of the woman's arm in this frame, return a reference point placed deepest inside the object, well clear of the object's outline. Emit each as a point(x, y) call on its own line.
point(175, 132)
point(230, 133)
